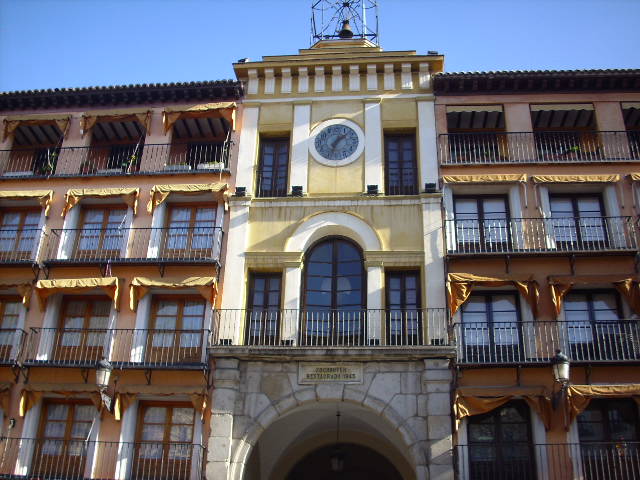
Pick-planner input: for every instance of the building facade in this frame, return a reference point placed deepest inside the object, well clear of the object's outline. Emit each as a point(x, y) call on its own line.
point(331, 347)
point(112, 216)
point(540, 225)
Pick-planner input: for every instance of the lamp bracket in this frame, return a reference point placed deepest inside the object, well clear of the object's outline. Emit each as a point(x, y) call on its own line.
point(84, 372)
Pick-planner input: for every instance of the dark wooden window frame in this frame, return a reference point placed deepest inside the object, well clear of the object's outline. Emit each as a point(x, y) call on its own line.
point(107, 209)
point(272, 189)
point(481, 220)
point(264, 308)
point(24, 212)
point(403, 274)
point(403, 165)
point(575, 197)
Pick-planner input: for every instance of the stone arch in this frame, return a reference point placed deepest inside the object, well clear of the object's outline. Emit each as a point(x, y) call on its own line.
point(333, 223)
point(285, 406)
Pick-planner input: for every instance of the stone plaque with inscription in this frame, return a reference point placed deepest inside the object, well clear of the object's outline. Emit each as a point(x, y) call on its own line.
point(329, 373)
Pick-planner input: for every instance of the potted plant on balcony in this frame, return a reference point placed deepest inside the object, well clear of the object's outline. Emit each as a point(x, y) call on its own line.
point(47, 167)
point(177, 167)
point(129, 163)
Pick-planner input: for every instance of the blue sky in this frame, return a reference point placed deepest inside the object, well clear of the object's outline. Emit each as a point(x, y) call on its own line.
point(71, 43)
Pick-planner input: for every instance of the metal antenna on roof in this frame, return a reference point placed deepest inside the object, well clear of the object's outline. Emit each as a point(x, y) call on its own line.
point(344, 19)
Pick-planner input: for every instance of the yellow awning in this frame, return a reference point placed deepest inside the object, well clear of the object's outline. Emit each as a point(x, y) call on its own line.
point(44, 197)
point(561, 106)
point(13, 122)
point(575, 178)
point(626, 105)
point(206, 286)
point(579, 396)
point(634, 176)
point(225, 110)
point(127, 394)
point(471, 401)
point(473, 108)
point(5, 395)
point(488, 178)
point(159, 193)
point(32, 393)
point(23, 287)
point(459, 286)
point(74, 195)
point(46, 288)
point(140, 115)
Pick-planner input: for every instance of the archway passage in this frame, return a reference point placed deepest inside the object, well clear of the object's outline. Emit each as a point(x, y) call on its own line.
point(357, 463)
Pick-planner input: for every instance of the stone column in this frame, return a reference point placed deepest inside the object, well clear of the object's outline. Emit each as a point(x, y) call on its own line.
point(435, 405)
point(373, 166)
point(226, 388)
point(374, 302)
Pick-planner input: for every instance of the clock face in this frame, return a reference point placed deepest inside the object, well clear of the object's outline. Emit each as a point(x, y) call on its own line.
point(336, 142)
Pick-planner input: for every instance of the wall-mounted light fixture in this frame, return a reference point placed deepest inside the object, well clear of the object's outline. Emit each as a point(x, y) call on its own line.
point(103, 374)
point(561, 368)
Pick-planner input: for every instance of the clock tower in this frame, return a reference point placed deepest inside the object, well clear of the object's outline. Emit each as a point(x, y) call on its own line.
point(334, 264)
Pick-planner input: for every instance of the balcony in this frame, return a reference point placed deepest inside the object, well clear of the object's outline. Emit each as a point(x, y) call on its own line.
point(325, 329)
point(535, 343)
point(20, 246)
point(169, 245)
point(529, 236)
point(482, 148)
point(109, 160)
point(52, 459)
point(584, 461)
point(125, 348)
point(11, 343)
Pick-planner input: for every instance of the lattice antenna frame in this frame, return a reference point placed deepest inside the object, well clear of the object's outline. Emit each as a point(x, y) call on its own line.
point(327, 17)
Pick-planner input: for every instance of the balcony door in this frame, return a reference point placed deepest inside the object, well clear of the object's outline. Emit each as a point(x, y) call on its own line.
point(82, 333)
point(500, 446)
point(176, 335)
point(102, 233)
point(18, 233)
point(9, 315)
point(404, 315)
point(334, 294)
point(164, 448)
point(60, 450)
point(595, 329)
point(482, 224)
point(609, 440)
point(491, 328)
point(578, 222)
point(273, 171)
point(190, 232)
point(400, 166)
point(263, 309)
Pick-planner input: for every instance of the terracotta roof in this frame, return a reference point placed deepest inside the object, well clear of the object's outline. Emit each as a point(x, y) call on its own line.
point(532, 81)
point(120, 95)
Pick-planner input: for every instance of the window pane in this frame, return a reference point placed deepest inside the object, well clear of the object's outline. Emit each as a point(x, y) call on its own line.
point(155, 415)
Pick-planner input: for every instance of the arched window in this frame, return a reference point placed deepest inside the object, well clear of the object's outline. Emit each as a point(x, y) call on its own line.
point(334, 311)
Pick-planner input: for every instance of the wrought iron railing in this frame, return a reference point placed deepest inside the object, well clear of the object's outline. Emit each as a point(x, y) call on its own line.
point(520, 342)
point(333, 328)
point(478, 148)
point(56, 459)
point(100, 160)
point(539, 235)
point(20, 244)
point(125, 348)
point(12, 341)
point(519, 460)
point(146, 245)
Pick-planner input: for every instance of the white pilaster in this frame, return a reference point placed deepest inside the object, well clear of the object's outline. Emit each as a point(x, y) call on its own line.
point(303, 80)
point(434, 280)
point(50, 321)
point(389, 77)
point(424, 78)
point(68, 234)
point(336, 78)
point(92, 465)
point(248, 148)
point(139, 340)
point(354, 78)
point(269, 81)
point(374, 304)
point(318, 80)
point(126, 451)
point(157, 223)
point(427, 148)
point(291, 303)
point(373, 170)
point(405, 77)
point(27, 446)
point(285, 83)
point(252, 88)
point(372, 77)
point(299, 148)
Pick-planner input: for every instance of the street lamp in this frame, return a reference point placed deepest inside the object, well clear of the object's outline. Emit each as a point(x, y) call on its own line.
point(561, 368)
point(337, 456)
point(103, 374)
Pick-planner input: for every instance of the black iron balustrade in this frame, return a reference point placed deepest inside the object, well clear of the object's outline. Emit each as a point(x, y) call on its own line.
point(135, 245)
point(478, 148)
point(125, 348)
point(535, 342)
point(106, 160)
point(333, 328)
point(540, 235)
point(527, 461)
point(56, 459)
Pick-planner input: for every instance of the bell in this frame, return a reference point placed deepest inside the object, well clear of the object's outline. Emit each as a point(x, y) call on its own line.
point(346, 31)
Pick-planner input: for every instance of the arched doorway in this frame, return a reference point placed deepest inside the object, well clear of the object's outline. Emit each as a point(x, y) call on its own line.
point(344, 461)
point(334, 293)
